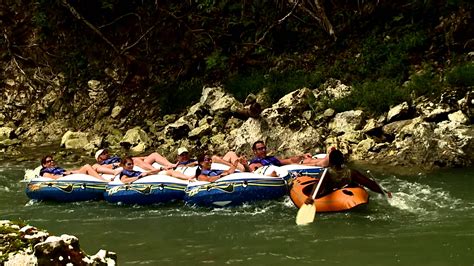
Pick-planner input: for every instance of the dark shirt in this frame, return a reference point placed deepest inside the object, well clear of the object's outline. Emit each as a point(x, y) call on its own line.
point(211, 172)
point(52, 170)
point(269, 160)
point(129, 173)
point(187, 162)
point(111, 160)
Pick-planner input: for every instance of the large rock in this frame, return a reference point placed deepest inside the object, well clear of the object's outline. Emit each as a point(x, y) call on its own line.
point(399, 112)
point(74, 140)
point(6, 133)
point(218, 101)
point(347, 121)
point(27, 245)
point(136, 139)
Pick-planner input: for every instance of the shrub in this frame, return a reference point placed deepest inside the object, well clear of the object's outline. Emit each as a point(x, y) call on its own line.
point(278, 83)
point(461, 76)
point(373, 96)
point(426, 83)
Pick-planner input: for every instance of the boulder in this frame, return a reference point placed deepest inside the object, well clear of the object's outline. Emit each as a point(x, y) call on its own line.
point(74, 140)
point(136, 139)
point(399, 112)
point(458, 117)
point(6, 133)
point(346, 122)
point(218, 101)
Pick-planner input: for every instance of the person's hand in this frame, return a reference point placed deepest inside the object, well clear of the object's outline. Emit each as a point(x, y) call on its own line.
point(389, 194)
point(143, 174)
point(309, 201)
point(243, 160)
point(307, 156)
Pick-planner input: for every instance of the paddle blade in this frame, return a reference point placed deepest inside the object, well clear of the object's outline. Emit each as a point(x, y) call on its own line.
point(306, 214)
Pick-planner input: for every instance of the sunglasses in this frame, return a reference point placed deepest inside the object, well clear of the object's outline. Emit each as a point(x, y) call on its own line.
point(207, 159)
point(129, 164)
point(48, 161)
point(261, 149)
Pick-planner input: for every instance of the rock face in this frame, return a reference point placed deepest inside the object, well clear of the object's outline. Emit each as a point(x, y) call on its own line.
point(26, 245)
point(422, 132)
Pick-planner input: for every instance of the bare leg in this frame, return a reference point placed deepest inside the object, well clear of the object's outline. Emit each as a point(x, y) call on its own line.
point(140, 163)
point(229, 159)
point(105, 169)
point(179, 175)
point(323, 162)
point(88, 170)
point(158, 158)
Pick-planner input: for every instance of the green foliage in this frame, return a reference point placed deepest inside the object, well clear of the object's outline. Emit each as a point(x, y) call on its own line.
point(462, 75)
point(372, 96)
point(380, 57)
point(278, 84)
point(426, 83)
point(242, 85)
point(176, 96)
point(216, 61)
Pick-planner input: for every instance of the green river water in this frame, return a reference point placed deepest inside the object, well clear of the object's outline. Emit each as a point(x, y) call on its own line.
point(429, 221)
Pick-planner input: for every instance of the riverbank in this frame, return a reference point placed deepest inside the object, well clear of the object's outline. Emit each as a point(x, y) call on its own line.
point(23, 244)
point(427, 134)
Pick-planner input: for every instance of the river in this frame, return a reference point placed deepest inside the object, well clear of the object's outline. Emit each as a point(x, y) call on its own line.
point(429, 221)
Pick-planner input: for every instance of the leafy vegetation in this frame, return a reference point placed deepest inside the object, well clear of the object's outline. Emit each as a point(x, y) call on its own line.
point(372, 96)
point(462, 75)
point(167, 50)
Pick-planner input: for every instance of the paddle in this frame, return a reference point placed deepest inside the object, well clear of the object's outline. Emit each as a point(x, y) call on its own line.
point(387, 195)
point(307, 212)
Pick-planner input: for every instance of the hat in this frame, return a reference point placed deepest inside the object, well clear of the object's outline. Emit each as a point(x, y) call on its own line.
point(182, 150)
point(98, 153)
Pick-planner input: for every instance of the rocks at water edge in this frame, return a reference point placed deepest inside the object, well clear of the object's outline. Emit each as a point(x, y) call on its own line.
point(26, 245)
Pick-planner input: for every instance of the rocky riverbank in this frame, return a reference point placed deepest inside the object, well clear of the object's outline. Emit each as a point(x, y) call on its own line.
point(22, 244)
point(425, 133)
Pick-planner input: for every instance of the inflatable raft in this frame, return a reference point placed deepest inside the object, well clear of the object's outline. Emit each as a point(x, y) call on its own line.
point(147, 190)
point(75, 187)
point(340, 200)
point(235, 189)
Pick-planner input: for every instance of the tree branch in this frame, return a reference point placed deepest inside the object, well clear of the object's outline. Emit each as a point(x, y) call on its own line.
point(277, 23)
point(97, 31)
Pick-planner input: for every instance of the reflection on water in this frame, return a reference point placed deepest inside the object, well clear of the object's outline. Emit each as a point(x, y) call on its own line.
point(432, 211)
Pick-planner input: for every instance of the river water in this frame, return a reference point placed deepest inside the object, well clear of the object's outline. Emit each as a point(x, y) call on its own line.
point(429, 221)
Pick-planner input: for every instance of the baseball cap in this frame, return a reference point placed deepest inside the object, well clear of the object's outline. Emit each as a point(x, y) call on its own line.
point(98, 153)
point(182, 150)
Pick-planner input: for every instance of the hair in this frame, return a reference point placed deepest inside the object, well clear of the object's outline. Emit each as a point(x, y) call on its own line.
point(254, 146)
point(336, 158)
point(125, 159)
point(43, 160)
point(200, 158)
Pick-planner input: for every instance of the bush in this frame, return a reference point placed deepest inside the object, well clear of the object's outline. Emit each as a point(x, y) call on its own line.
point(373, 96)
point(279, 84)
point(461, 76)
point(426, 83)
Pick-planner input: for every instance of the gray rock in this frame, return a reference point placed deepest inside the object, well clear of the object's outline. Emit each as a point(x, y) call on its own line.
point(399, 112)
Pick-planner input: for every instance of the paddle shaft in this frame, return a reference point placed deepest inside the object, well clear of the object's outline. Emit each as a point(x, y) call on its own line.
point(319, 184)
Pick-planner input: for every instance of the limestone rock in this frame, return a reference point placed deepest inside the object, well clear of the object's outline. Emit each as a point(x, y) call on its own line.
point(74, 140)
point(399, 112)
point(458, 117)
point(136, 139)
point(6, 133)
point(347, 121)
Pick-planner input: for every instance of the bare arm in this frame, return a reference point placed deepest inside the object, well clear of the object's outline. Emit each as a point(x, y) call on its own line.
point(254, 166)
point(366, 182)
